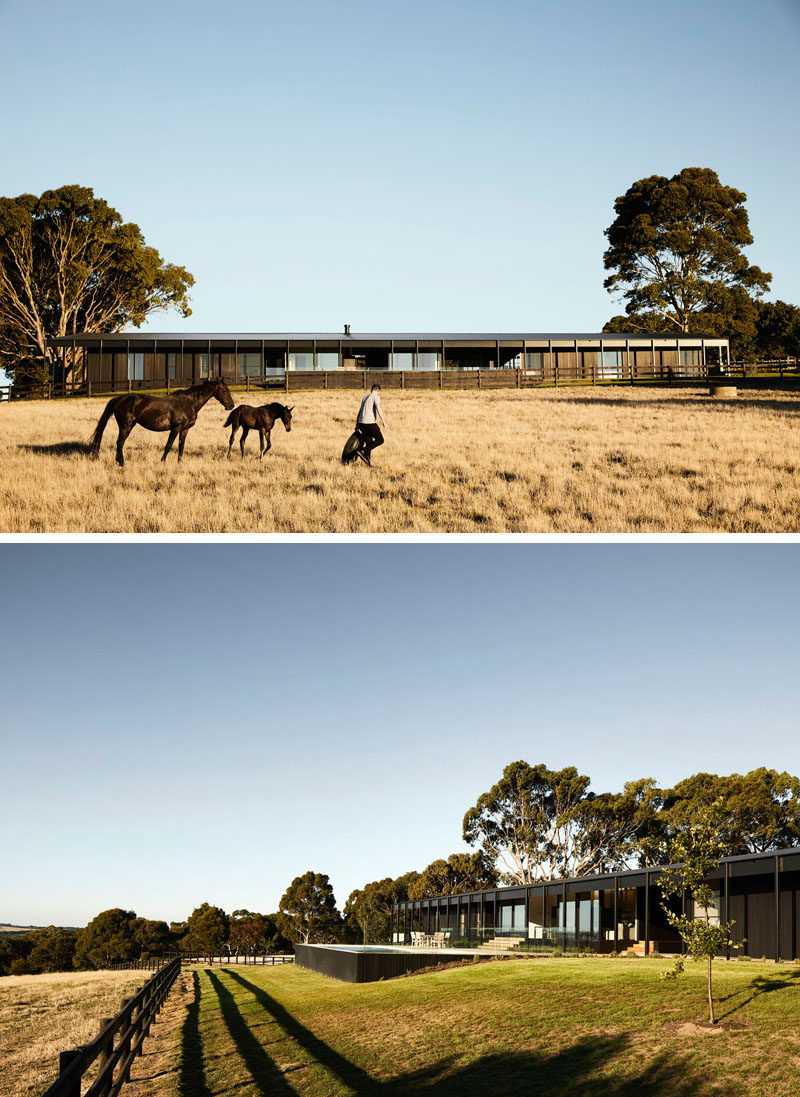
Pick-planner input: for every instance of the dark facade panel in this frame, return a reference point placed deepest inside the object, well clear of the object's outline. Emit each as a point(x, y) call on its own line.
point(363, 967)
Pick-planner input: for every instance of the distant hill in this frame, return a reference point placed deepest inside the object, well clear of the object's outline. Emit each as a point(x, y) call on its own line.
point(29, 929)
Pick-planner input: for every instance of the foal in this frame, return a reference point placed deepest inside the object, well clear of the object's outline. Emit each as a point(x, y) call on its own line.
point(261, 419)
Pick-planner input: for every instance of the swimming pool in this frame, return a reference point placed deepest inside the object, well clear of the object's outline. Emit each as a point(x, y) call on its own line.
point(367, 963)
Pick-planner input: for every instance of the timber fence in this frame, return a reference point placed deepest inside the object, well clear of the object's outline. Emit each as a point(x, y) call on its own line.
point(548, 375)
point(265, 960)
point(118, 1043)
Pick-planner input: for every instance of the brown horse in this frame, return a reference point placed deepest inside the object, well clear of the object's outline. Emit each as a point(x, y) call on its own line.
point(261, 419)
point(175, 413)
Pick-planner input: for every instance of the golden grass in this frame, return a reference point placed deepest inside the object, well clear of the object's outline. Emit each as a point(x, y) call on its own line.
point(42, 1015)
point(586, 460)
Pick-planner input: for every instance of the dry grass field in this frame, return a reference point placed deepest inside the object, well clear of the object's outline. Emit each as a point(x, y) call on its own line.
point(615, 460)
point(41, 1015)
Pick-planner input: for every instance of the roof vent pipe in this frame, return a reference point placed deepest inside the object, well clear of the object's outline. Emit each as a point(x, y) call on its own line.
point(347, 329)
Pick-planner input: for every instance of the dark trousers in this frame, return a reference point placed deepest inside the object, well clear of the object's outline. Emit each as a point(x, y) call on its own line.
point(371, 433)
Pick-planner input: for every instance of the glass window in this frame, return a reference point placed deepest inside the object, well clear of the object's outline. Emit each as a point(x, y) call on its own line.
point(512, 363)
point(327, 359)
point(428, 359)
point(610, 363)
point(135, 366)
point(536, 916)
point(402, 360)
point(203, 365)
point(172, 365)
point(589, 913)
point(301, 361)
point(690, 358)
point(250, 364)
point(534, 362)
point(628, 922)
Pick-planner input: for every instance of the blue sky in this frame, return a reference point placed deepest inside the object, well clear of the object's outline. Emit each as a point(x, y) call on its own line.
point(439, 165)
point(184, 723)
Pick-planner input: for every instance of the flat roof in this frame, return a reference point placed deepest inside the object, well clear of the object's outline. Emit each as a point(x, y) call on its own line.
point(365, 337)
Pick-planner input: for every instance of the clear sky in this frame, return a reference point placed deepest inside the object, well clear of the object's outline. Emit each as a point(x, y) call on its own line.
point(183, 723)
point(426, 165)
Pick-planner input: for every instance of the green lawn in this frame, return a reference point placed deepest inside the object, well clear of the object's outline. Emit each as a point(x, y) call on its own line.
point(595, 1027)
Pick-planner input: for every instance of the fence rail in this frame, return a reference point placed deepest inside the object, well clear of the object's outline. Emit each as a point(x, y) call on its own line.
point(118, 1043)
point(265, 960)
point(549, 374)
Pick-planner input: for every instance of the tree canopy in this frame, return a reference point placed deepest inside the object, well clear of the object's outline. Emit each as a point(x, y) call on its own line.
point(110, 938)
point(538, 824)
point(526, 823)
point(207, 930)
point(460, 872)
point(758, 811)
point(307, 910)
point(676, 256)
point(70, 264)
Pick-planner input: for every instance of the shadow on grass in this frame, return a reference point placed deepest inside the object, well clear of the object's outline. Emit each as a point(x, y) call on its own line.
point(265, 1072)
point(192, 1078)
point(59, 449)
point(575, 1069)
point(761, 984)
point(687, 401)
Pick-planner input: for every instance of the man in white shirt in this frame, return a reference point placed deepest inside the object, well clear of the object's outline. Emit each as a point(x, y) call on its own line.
point(367, 423)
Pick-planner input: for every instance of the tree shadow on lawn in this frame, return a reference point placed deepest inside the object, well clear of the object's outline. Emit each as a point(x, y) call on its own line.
point(761, 984)
point(512, 1074)
point(59, 449)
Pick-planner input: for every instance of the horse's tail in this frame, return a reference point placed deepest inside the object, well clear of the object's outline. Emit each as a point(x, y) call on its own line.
point(230, 418)
point(94, 445)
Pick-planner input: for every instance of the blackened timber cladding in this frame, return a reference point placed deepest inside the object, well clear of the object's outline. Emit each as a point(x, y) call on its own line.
point(615, 911)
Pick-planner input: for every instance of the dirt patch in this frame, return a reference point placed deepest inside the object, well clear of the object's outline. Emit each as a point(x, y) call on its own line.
point(158, 1058)
point(705, 1028)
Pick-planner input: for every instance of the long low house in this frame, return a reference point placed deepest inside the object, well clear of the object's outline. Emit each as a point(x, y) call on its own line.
point(130, 361)
point(618, 911)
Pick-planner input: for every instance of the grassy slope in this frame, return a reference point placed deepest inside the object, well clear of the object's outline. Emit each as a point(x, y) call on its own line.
point(41, 1015)
point(596, 1027)
point(562, 460)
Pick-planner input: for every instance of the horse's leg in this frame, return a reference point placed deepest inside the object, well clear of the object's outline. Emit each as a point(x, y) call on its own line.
point(173, 434)
point(269, 440)
point(245, 432)
point(261, 438)
point(233, 435)
point(125, 425)
point(182, 443)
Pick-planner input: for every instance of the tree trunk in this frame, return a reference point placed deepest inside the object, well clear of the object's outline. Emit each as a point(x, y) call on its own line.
point(710, 996)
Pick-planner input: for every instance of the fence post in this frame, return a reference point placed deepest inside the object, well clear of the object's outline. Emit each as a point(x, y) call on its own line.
point(105, 1055)
point(66, 1059)
point(125, 1044)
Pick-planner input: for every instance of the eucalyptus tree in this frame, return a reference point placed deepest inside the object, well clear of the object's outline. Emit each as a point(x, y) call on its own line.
point(676, 255)
point(70, 264)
